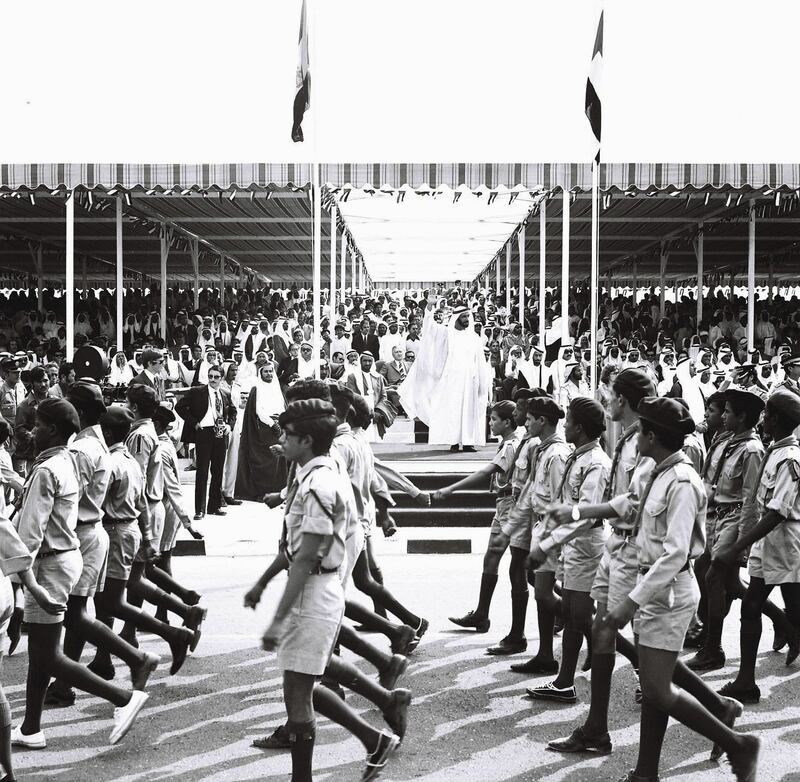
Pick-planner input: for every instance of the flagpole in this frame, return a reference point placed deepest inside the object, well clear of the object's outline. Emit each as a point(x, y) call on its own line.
point(594, 276)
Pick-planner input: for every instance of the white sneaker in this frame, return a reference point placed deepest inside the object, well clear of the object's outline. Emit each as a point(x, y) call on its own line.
point(33, 741)
point(124, 716)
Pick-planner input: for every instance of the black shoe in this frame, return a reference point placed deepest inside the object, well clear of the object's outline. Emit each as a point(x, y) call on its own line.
point(794, 647)
point(780, 640)
point(105, 670)
point(179, 647)
point(199, 516)
point(217, 512)
point(223, 503)
point(407, 641)
point(376, 761)
point(471, 619)
point(393, 671)
point(194, 621)
point(633, 777)
point(59, 697)
point(578, 741)
point(15, 629)
point(535, 665)
point(744, 763)
point(424, 624)
point(231, 501)
point(707, 660)
point(508, 645)
point(396, 715)
point(469, 449)
point(453, 449)
point(749, 695)
point(549, 692)
point(279, 739)
point(695, 638)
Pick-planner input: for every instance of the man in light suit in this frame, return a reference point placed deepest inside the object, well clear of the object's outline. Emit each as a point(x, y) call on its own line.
point(368, 382)
point(209, 417)
point(394, 373)
point(152, 375)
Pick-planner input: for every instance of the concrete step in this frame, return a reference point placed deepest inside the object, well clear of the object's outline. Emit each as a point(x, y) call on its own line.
point(429, 481)
point(442, 517)
point(477, 498)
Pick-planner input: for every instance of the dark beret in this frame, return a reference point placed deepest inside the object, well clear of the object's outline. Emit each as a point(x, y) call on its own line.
point(634, 385)
point(139, 392)
point(750, 399)
point(83, 392)
point(163, 414)
point(523, 393)
point(790, 361)
point(544, 406)
point(61, 413)
point(787, 403)
point(588, 413)
point(8, 364)
point(37, 374)
point(305, 410)
point(666, 413)
point(116, 416)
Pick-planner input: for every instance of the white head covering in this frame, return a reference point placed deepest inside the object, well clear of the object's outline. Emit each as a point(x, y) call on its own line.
point(305, 368)
point(120, 376)
point(269, 399)
point(690, 387)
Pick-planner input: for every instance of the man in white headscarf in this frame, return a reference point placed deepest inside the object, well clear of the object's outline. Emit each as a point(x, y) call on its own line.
point(121, 373)
point(306, 365)
point(370, 385)
point(535, 372)
point(573, 385)
point(448, 385)
point(688, 388)
point(566, 354)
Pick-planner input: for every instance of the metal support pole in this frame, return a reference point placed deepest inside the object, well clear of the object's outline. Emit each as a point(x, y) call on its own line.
point(521, 248)
point(635, 279)
point(343, 267)
point(497, 279)
point(316, 194)
point(564, 268)
point(38, 266)
point(222, 282)
point(69, 282)
point(699, 250)
point(771, 279)
point(751, 276)
point(542, 271)
point(84, 279)
point(194, 248)
point(508, 281)
point(332, 294)
point(119, 292)
point(663, 278)
point(595, 276)
point(353, 278)
point(164, 255)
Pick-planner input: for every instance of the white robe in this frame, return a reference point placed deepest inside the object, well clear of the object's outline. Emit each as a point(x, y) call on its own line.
point(448, 385)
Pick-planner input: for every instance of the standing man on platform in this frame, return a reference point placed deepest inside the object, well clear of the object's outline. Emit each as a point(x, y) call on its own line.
point(26, 421)
point(209, 417)
point(152, 375)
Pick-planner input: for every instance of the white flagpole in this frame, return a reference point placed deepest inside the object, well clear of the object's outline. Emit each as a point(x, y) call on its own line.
point(595, 275)
point(317, 253)
point(521, 247)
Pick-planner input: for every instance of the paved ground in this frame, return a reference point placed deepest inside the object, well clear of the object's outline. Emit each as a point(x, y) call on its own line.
point(469, 721)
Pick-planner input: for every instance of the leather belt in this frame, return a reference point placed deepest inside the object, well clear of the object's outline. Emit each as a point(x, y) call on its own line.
point(108, 520)
point(623, 533)
point(643, 571)
point(504, 493)
point(318, 570)
point(53, 552)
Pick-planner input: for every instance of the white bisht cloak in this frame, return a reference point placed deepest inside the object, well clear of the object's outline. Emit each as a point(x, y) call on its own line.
point(448, 384)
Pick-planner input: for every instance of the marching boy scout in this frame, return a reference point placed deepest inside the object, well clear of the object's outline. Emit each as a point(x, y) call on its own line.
point(547, 467)
point(670, 533)
point(581, 542)
point(775, 538)
point(306, 621)
point(46, 524)
point(503, 423)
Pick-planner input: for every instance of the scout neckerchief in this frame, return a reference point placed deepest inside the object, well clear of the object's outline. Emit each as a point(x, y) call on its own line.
point(663, 467)
point(502, 483)
point(612, 480)
point(538, 451)
point(570, 461)
point(719, 440)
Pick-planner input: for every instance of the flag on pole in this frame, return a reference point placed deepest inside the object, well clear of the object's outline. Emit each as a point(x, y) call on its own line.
point(302, 99)
point(594, 85)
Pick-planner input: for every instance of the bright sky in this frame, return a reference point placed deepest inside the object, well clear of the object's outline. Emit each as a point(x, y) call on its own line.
point(421, 81)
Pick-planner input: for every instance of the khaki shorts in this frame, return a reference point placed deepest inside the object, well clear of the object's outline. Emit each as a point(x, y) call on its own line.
point(169, 534)
point(94, 552)
point(124, 539)
point(58, 574)
point(517, 526)
point(353, 545)
point(551, 564)
point(722, 530)
point(581, 557)
point(312, 626)
point(662, 623)
point(502, 511)
point(157, 527)
point(617, 572)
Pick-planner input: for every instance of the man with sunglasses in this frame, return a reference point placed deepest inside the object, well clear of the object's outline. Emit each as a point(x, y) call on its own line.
point(152, 373)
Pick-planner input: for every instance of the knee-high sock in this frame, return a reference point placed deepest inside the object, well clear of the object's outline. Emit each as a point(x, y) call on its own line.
point(652, 728)
point(488, 583)
point(302, 736)
point(602, 672)
point(5, 735)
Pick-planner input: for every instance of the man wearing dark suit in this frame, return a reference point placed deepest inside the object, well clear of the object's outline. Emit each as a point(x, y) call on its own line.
point(289, 366)
point(394, 373)
point(208, 417)
point(366, 341)
point(151, 375)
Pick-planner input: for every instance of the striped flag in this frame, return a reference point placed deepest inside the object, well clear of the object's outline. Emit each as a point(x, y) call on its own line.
point(594, 85)
point(302, 100)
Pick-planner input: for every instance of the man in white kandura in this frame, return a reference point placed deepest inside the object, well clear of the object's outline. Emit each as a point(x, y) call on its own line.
point(448, 385)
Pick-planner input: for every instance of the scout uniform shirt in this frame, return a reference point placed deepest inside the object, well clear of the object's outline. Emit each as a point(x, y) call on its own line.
point(49, 513)
point(93, 468)
point(125, 500)
point(731, 493)
point(623, 463)
point(522, 464)
point(778, 553)
point(671, 525)
point(584, 481)
point(695, 449)
point(174, 512)
point(500, 482)
point(317, 504)
point(143, 445)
